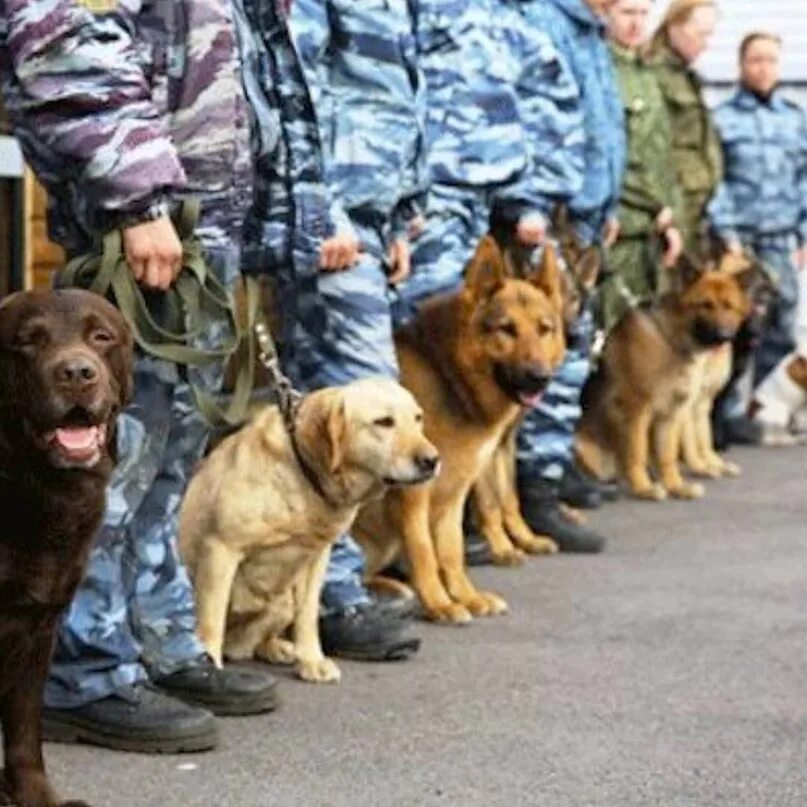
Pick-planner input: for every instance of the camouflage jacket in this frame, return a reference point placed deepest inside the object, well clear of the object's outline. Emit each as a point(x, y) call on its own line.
point(474, 132)
point(122, 104)
point(550, 108)
point(650, 182)
point(765, 151)
point(579, 36)
point(696, 148)
point(361, 64)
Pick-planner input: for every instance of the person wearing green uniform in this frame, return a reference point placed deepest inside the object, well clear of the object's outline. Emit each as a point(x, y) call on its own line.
point(682, 37)
point(651, 200)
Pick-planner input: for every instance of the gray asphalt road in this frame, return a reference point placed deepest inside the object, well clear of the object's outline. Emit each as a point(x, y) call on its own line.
point(669, 671)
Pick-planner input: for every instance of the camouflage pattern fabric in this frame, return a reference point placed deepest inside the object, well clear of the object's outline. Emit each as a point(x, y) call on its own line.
point(764, 190)
point(578, 34)
point(762, 201)
point(696, 148)
point(546, 438)
point(361, 68)
point(650, 185)
point(121, 111)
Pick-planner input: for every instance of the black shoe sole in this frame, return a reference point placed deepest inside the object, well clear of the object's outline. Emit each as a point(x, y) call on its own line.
point(66, 731)
point(400, 651)
point(242, 707)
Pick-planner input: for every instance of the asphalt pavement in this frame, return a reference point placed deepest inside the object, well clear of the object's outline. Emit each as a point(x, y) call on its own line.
point(668, 671)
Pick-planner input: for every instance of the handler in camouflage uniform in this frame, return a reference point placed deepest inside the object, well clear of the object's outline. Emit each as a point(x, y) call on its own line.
point(546, 466)
point(478, 150)
point(682, 37)
point(651, 202)
point(762, 203)
point(122, 110)
point(361, 68)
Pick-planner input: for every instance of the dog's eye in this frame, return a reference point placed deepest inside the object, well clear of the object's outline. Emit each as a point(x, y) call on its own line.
point(708, 305)
point(419, 417)
point(546, 329)
point(101, 337)
point(384, 423)
point(28, 339)
point(509, 328)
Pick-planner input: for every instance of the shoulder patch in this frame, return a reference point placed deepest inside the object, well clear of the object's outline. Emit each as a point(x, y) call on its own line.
point(98, 6)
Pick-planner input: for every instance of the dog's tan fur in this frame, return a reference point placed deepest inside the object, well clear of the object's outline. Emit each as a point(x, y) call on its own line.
point(712, 374)
point(256, 531)
point(496, 507)
point(654, 369)
point(452, 358)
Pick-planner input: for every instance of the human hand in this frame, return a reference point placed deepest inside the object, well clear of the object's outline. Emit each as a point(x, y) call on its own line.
point(610, 232)
point(664, 220)
point(675, 246)
point(800, 258)
point(531, 230)
point(153, 252)
point(339, 252)
point(415, 227)
point(399, 260)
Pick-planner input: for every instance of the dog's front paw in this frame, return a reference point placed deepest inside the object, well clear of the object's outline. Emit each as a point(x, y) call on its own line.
point(731, 469)
point(652, 492)
point(537, 544)
point(688, 490)
point(277, 651)
point(450, 612)
point(496, 605)
point(318, 670)
point(509, 557)
point(704, 471)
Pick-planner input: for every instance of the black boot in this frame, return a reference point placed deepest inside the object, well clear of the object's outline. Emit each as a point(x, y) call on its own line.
point(540, 507)
point(367, 633)
point(742, 431)
point(137, 718)
point(227, 691)
point(578, 489)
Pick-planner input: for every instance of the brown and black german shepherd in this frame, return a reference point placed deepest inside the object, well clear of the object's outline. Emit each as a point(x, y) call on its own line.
point(496, 507)
point(473, 360)
point(651, 370)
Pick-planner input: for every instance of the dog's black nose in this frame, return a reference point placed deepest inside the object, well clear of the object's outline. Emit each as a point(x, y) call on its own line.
point(537, 376)
point(427, 462)
point(76, 371)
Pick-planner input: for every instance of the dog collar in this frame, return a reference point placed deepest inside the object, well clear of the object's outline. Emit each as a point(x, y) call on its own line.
point(308, 472)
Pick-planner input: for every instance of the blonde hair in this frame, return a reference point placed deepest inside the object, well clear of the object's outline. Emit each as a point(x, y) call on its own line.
point(678, 12)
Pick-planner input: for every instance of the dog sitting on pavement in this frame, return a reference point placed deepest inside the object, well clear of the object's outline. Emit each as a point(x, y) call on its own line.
point(260, 515)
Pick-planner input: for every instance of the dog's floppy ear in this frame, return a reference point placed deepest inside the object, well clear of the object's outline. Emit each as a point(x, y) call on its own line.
point(487, 271)
point(123, 362)
point(322, 428)
point(547, 277)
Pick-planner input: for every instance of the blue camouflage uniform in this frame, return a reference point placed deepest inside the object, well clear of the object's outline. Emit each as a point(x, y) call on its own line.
point(121, 111)
point(546, 439)
point(479, 151)
point(762, 201)
point(360, 64)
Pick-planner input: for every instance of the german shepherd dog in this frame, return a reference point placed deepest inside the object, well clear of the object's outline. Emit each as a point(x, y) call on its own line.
point(649, 373)
point(473, 359)
point(496, 507)
point(714, 373)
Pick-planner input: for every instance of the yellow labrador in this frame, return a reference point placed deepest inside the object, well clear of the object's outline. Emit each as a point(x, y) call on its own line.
point(261, 514)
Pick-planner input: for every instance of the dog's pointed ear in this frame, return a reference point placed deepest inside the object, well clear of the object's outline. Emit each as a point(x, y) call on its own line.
point(487, 271)
point(587, 269)
point(548, 277)
point(688, 270)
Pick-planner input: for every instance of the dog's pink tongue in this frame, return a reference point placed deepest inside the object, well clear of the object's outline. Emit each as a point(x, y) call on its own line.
point(77, 438)
point(530, 400)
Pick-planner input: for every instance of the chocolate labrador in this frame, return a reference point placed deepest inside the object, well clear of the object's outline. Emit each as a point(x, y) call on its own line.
point(65, 373)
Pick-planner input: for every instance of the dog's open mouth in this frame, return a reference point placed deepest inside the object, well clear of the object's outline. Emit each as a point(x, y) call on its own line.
point(527, 390)
point(77, 442)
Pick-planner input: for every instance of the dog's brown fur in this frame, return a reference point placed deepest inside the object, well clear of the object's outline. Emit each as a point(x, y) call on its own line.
point(712, 374)
point(467, 358)
point(650, 371)
point(259, 517)
point(496, 507)
point(65, 363)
